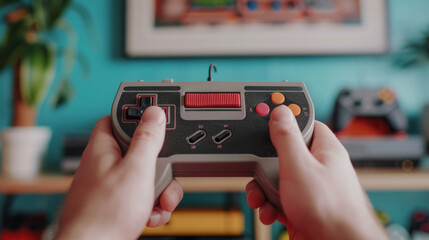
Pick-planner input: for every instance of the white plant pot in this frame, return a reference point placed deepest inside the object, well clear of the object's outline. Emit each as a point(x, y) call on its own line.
point(23, 149)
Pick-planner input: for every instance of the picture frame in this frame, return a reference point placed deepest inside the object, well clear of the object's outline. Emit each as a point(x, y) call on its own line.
point(366, 33)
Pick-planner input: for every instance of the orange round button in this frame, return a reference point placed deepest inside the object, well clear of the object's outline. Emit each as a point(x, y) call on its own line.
point(386, 95)
point(296, 110)
point(277, 98)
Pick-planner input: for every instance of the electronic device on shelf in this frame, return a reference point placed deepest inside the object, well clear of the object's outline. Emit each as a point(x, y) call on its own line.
point(73, 147)
point(23, 226)
point(372, 127)
point(419, 226)
point(375, 111)
point(214, 129)
point(425, 120)
point(394, 231)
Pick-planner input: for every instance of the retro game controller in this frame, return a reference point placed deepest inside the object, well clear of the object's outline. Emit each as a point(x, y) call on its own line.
point(214, 129)
point(366, 102)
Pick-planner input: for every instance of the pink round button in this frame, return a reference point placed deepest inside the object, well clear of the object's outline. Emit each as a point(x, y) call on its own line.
point(262, 109)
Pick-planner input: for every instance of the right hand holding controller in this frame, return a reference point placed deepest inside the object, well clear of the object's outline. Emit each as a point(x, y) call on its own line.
point(319, 190)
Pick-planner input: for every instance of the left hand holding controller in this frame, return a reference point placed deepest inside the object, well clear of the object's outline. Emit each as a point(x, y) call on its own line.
point(94, 207)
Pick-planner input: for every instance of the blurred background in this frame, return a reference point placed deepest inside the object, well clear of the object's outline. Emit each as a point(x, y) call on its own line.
point(104, 60)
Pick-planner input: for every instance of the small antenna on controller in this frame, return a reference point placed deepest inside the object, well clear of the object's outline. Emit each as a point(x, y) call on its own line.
point(210, 72)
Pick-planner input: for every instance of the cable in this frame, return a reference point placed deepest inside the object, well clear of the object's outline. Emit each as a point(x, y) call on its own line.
point(210, 79)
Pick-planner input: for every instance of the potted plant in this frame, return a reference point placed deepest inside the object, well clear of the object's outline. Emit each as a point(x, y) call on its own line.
point(29, 48)
point(415, 52)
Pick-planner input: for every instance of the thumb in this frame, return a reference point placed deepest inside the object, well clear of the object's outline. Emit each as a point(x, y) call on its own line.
point(288, 141)
point(147, 140)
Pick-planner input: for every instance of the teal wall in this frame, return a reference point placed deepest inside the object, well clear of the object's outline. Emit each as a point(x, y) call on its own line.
point(323, 75)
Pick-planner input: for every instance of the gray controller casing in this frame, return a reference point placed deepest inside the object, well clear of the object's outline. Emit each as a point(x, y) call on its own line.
point(212, 140)
point(368, 102)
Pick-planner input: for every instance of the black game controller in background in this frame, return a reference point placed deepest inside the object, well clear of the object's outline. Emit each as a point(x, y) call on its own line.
point(366, 102)
point(420, 224)
point(372, 127)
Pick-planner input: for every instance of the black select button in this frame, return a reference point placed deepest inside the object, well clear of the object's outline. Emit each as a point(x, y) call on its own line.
point(222, 136)
point(196, 137)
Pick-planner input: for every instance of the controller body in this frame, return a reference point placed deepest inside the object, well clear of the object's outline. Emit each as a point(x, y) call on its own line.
point(367, 102)
point(213, 129)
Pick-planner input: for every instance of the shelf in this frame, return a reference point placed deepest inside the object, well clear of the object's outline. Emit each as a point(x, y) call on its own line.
point(61, 183)
point(374, 179)
point(390, 179)
point(42, 184)
point(370, 179)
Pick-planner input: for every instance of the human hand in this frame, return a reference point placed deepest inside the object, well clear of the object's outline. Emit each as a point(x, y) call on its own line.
point(111, 196)
point(319, 191)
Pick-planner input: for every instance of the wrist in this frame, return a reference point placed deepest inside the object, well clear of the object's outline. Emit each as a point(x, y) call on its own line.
point(355, 227)
point(76, 233)
point(88, 232)
point(358, 226)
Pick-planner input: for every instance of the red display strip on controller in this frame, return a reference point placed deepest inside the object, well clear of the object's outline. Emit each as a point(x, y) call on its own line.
point(212, 100)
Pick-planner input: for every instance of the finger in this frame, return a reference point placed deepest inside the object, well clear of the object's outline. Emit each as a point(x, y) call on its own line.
point(254, 194)
point(171, 196)
point(286, 136)
point(146, 143)
point(268, 213)
point(283, 220)
point(158, 217)
point(325, 146)
point(101, 143)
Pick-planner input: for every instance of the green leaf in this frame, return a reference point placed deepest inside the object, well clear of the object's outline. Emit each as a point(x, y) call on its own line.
point(69, 55)
point(64, 94)
point(40, 14)
point(11, 53)
point(71, 35)
point(17, 31)
point(414, 53)
point(56, 9)
point(48, 12)
point(14, 45)
point(406, 63)
point(37, 72)
point(80, 57)
point(416, 46)
point(6, 2)
point(89, 24)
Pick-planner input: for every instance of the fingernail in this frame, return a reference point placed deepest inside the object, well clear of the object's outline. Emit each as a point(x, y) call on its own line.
point(155, 217)
point(153, 114)
point(282, 114)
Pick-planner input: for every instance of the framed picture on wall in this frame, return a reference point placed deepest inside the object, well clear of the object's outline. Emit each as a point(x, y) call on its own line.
point(164, 28)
